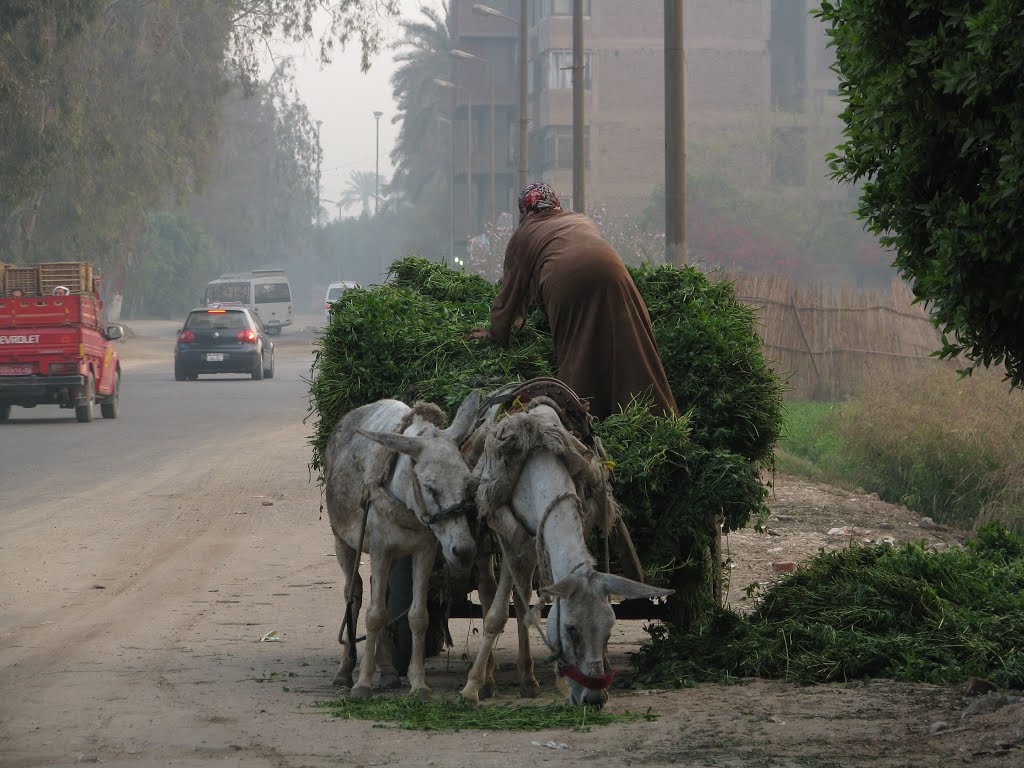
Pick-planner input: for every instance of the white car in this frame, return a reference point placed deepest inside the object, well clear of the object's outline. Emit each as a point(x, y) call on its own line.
point(334, 291)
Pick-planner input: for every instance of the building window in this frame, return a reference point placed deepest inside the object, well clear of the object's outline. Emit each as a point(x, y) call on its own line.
point(789, 155)
point(542, 9)
point(559, 66)
point(558, 147)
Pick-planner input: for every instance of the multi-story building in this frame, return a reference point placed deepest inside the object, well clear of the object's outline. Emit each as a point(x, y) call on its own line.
point(760, 98)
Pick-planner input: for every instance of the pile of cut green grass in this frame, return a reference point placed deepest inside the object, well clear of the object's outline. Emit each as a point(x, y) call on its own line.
point(895, 612)
point(447, 714)
point(673, 477)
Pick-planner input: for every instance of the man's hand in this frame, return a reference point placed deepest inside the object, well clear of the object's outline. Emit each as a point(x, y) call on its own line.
point(479, 333)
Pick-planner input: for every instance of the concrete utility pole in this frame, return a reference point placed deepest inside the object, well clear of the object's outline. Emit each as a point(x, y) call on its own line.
point(579, 196)
point(524, 96)
point(675, 137)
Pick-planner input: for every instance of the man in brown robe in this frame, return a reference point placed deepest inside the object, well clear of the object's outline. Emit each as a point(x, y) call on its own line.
point(600, 324)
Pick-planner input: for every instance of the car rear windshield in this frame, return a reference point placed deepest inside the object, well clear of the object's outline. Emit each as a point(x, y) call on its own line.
point(227, 292)
point(224, 320)
point(335, 293)
point(272, 292)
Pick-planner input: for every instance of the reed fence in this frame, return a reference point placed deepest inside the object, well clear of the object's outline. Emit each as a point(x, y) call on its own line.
point(823, 343)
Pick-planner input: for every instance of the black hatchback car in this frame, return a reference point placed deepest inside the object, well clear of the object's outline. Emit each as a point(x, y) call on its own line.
point(223, 339)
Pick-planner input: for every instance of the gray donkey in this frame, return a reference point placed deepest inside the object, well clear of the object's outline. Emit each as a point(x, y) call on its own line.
point(396, 485)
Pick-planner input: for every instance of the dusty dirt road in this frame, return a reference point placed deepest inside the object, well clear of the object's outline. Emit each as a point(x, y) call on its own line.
point(132, 607)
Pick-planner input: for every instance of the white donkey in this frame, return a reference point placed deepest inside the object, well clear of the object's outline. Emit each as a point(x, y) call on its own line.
point(396, 485)
point(540, 489)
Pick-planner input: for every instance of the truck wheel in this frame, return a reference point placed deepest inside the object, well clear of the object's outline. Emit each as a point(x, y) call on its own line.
point(85, 413)
point(398, 602)
point(257, 372)
point(111, 407)
point(273, 330)
point(5, 412)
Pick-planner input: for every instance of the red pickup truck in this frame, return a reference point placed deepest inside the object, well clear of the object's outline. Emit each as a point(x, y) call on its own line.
point(54, 349)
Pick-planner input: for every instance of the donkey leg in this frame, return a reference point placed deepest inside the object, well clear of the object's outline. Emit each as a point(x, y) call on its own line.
point(348, 559)
point(422, 564)
point(494, 623)
point(486, 587)
point(528, 685)
point(376, 616)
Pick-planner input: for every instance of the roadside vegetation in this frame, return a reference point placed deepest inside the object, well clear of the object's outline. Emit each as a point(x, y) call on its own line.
point(945, 447)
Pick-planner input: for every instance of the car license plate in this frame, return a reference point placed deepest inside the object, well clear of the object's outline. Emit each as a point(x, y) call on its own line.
point(15, 370)
point(214, 357)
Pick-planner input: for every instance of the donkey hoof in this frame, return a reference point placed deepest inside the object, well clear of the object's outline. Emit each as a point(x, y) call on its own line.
point(470, 696)
point(422, 693)
point(342, 681)
point(389, 681)
point(529, 690)
point(487, 690)
point(360, 692)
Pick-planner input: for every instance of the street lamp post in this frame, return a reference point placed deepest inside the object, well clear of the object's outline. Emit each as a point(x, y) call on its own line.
point(524, 73)
point(451, 189)
point(319, 154)
point(467, 56)
point(469, 149)
point(377, 114)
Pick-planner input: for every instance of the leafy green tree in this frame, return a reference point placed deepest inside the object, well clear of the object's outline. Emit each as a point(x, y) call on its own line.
point(260, 204)
point(110, 110)
point(934, 124)
point(172, 267)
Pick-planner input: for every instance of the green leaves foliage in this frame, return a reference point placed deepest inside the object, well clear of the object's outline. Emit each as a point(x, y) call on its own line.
point(934, 126)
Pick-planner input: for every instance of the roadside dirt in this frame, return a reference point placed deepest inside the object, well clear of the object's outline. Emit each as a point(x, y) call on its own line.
point(132, 638)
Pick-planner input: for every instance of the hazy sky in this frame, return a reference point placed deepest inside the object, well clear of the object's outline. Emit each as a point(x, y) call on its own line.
point(344, 98)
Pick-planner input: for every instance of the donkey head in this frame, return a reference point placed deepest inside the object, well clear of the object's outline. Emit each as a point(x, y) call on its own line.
point(580, 623)
point(441, 482)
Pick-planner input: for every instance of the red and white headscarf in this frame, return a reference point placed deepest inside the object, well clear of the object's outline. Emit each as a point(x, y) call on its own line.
point(538, 197)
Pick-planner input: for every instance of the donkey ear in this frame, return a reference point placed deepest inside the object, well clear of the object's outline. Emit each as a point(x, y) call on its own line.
point(564, 587)
point(465, 418)
point(407, 444)
point(629, 589)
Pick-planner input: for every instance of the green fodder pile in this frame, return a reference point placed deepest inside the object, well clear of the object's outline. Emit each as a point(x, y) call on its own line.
point(406, 340)
point(447, 714)
point(896, 612)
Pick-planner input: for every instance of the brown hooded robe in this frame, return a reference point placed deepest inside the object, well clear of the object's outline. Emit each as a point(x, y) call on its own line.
point(601, 327)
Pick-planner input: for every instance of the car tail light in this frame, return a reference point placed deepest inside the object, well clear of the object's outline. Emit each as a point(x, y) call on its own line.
point(327, 305)
point(56, 368)
point(186, 336)
point(247, 335)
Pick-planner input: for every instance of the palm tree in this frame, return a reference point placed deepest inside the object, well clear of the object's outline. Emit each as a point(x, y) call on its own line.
point(421, 152)
point(360, 190)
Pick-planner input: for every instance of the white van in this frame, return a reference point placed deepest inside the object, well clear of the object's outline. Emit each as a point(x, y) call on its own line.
point(334, 291)
point(265, 291)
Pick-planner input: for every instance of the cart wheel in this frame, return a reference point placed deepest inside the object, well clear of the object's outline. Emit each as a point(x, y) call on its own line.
point(399, 600)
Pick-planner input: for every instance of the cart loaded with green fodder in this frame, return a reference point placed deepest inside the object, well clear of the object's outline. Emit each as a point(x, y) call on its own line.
point(679, 482)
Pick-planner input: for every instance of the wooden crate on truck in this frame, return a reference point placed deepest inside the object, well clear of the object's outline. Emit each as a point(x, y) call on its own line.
point(24, 279)
point(76, 276)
